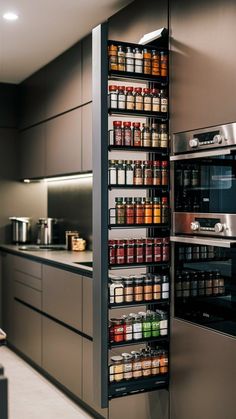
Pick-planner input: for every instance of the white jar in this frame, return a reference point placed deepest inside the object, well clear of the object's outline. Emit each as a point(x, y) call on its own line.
point(116, 290)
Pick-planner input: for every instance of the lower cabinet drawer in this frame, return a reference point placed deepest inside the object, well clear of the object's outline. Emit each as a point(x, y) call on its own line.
point(28, 295)
point(27, 332)
point(62, 355)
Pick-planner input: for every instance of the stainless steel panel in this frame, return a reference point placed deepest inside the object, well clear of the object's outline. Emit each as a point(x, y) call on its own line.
point(182, 222)
point(28, 295)
point(203, 154)
point(203, 371)
point(205, 241)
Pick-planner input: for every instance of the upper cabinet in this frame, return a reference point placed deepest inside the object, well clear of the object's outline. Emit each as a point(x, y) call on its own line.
point(32, 152)
point(87, 164)
point(87, 69)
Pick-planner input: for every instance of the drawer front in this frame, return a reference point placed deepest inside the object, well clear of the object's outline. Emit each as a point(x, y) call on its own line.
point(28, 295)
point(28, 280)
point(28, 267)
point(28, 332)
point(88, 306)
point(62, 296)
point(62, 355)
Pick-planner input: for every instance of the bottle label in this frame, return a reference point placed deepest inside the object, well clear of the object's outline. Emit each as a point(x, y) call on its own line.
point(121, 101)
point(113, 100)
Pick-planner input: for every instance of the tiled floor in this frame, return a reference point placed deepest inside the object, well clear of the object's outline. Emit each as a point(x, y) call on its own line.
point(31, 396)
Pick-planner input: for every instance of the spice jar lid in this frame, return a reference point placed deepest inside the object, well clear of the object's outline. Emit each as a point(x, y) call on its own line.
point(112, 87)
point(116, 321)
point(117, 358)
point(119, 200)
point(136, 124)
point(163, 53)
point(127, 124)
point(127, 280)
point(155, 126)
point(155, 91)
point(164, 200)
point(156, 163)
point(157, 278)
point(121, 88)
point(136, 355)
point(120, 242)
point(114, 278)
point(164, 163)
point(129, 161)
point(127, 357)
point(148, 280)
point(157, 240)
point(146, 90)
point(138, 89)
point(111, 241)
point(129, 89)
point(166, 240)
point(117, 123)
point(163, 126)
point(120, 161)
point(137, 161)
point(112, 161)
point(138, 280)
point(112, 47)
point(147, 162)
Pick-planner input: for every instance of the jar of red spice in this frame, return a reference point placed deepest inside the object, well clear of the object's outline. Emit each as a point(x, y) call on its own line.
point(129, 211)
point(130, 251)
point(120, 252)
point(137, 141)
point(118, 133)
point(147, 100)
point(129, 98)
point(139, 251)
point(164, 173)
point(138, 211)
point(116, 330)
point(148, 252)
point(157, 173)
point(127, 133)
point(147, 172)
point(112, 251)
point(165, 249)
point(138, 172)
point(138, 99)
point(157, 250)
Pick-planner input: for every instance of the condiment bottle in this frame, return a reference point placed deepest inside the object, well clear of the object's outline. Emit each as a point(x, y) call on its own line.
point(147, 100)
point(148, 250)
point(157, 287)
point(130, 250)
point(129, 211)
point(139, 251)
point(164, 210)
point(138, 61)
point(156, 210)
point(128, 329)
point(164, 173)
point(120, 173)
point(147, 61)
point(138, 99)
point(129, 178)
point(138, 211)
point(121, 97)
point(163, 323)
point(113, 97)
point(147, 326)
point(129, 60)
point(155, 136)
point(120, 211)
point(147, 289)
point(164, 63)
point(155, 325)
point(163, 136)
point(116, 289)
point(155, 63)
point(156, 173)
point(146, 364)
point(138, 288)
point(129, 98)
point(137, 327)
point(136, 134)
point(164, 101)
point(112, 56)
point(137, 365)
point(116, 330)
point(116, 369)
point(128, 366)
point(163, 356)
point(120, 59)
point(128, 289)
point(113, 172)
point(156, 100)
point(147, 211)
point(147, 172)
point(146, 136)
point(128, 140)
point(118, 133)
point(138, 173)
point(165, 287)
point(155, 362)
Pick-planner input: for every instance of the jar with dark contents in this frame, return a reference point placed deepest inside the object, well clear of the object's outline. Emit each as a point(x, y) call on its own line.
point(146, 136)
point(138, 172)
point(120, 211)
point(147, 61)
point(156, 63)
point(194, 285)
point(118, 133)
point(201, 283)
point(138, 211)
point(209, 283)
point(156, 101)
point(164, 101)
point(186, 285)
point(148, 211)
point(147, 172)
point(178, 286)
point(120, 252)
point(138, 288)
point(166, 249)
point(155, 136)
point(137, 141)
point(164, 63)
point(139, 251)
point(129, 211)
point(127, 133)
point(157, 173)
point(147, 100)
point(164, 210)
point(112, 251)
point(129, 98)
point(157, 250)
point(138, 99)
point(164, 173)
point(148, 250)
point(130, 251)
point(163, 136)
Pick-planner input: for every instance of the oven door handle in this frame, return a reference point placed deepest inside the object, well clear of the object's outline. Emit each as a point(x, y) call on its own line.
point(204, 241)
point(202, 154)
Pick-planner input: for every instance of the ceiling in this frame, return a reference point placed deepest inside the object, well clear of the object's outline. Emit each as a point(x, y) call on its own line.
point(44, 30)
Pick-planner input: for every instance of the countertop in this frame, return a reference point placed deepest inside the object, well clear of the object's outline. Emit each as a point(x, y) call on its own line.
point(63, 259)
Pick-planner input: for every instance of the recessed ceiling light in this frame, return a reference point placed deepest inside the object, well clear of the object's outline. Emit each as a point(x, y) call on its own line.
point(10, 16)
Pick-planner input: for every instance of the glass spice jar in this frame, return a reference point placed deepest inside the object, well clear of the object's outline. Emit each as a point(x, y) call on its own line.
point(156, 101)
point(137, 327)
point(147, 289)
point(130, 251)
point(165, 287)
point(112, 178)
point(128, 289)
point(155, 362)
point(128, 366)
point(164, 63)
point(157, 287)
point(148, 251)
point(165, 249)
point(116, 330)
point(137, 365)
point(129, 211)
point(163, 323)
point(209, 283)
point(138, 99)
point(129, 98)
point(127, 134)
point(116, 289)
point(147, 210)
point(147, 172)
point(129, 60)
point(146, 364)
point(138, 288)
point(116, 369)
point(112, 251)
point(128, 329)
point(164, 210)
point(157, 253)
point(155, 325)
point(138, 173)
point(121, 99)
point(120, 252)
point(146, 136)
point(120, 173)
point(147, 100)
point(118, 133)
point(112, 56)
point(163, 136)
point(120, 59)
point(129, 173)
point(113, 97)
point(155, 63)
point(120, 211)
point(136, 134)
point(164, 101)
point(138, 60)
point(163, 356)
point(139, 251)
point(155, 136)
point(156, 210)
point(156, 173)
point(164, 173)
point(147, 326)
point(147, 61)
point(138, 211)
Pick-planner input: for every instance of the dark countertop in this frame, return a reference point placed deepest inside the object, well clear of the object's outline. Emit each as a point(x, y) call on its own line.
point(63, 259)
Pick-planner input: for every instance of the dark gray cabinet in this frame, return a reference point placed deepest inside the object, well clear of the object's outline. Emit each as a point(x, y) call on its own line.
point(62, 355)
point(87, 69)
point(88, 306)
point(63, 144)
point(87, 164)
point(7, 294)
point(32, 152)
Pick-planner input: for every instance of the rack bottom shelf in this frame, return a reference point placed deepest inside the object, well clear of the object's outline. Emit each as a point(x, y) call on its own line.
point(141, 385)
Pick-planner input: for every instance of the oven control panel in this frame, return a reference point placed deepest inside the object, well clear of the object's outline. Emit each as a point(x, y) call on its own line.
point(207, 224)
point(211, 224)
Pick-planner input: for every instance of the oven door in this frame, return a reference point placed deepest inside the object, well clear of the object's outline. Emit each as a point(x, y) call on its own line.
point(204, 276)
point(204, 191)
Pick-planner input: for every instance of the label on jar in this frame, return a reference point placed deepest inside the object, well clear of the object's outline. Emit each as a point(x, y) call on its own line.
point(137, 331)
point(129, 177)
point(163, 327)
point(118, 136)
point(130, 102)
point(164, 105)
point(147, 103)
point(128, 137)
point(113, 100)
point(128, 332)
point(121, 101)
point(137, 138)
point(121, 177)
point(112, 176)
point(128, 371)
point(138, 103)
point(156, 104)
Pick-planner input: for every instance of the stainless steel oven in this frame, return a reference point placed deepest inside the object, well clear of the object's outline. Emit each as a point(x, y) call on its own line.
point(205, 182)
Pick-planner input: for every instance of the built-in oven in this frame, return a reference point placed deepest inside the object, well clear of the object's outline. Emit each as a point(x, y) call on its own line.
point(204, 281)
point(204, 175)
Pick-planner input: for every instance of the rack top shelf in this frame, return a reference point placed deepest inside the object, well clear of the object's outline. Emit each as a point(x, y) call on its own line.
point(115, 74)
point(162, 116)
point(161, 44)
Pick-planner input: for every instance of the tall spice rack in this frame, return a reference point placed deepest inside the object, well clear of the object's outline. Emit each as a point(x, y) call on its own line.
point(102, 149)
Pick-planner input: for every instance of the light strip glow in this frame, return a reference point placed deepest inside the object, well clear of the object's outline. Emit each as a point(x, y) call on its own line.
point(59, 178)
point(11, 16)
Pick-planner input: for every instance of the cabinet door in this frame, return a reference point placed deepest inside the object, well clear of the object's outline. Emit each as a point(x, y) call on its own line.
point(62, 296)
point(63, 144)
point(7, 295)
point(32, 152)
point(62, 355)
point(87, 164)
point(88, 306)
point(28, 331)
point(87, 69)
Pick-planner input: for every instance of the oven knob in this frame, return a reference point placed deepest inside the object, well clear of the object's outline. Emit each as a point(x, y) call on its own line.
point(219, 227)
point(194, 225)
point(218, 138)
point(193, 142)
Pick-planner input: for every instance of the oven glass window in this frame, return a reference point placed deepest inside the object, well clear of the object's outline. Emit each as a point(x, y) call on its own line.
point(205, 286)
point(206, 185)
